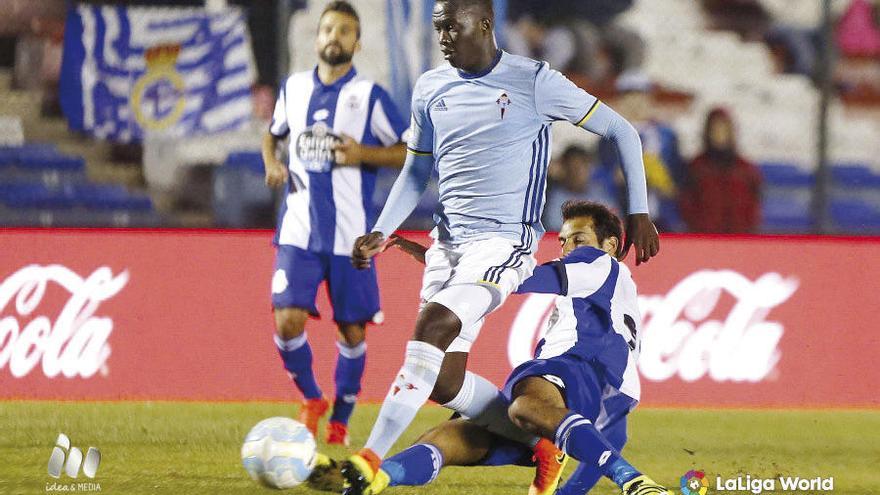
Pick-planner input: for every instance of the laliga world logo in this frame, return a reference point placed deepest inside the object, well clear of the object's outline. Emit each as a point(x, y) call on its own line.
point(694, 483)
point(678, 336)
point(75, 344)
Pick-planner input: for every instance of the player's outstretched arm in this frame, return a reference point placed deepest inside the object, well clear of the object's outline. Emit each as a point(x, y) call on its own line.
point(406, 192)
point(402, 200)
point(276, 172)
point(640, 230)
point(414, 249)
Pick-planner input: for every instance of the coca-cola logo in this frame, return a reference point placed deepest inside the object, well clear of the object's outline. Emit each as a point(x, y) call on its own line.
point(680, 335)
point(76, 342)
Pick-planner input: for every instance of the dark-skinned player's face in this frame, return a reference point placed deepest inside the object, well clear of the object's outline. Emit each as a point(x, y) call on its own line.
point(337, 39)
point(462, 32)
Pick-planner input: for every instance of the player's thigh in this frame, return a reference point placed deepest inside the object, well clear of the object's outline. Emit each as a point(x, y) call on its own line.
point(538, 390)
point(354, 293)
point(440, 260)
point(484, 275)
point(298, 273)
point(351, 334)
point(461, 442)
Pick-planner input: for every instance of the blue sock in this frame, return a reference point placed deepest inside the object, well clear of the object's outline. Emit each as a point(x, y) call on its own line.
point(297, 356)
point(585, 477)
point(506, 452)
point(577, 437)
point(415, 466)
point(349, 370)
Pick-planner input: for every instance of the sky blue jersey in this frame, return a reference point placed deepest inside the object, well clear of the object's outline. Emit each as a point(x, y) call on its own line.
point(488, 136)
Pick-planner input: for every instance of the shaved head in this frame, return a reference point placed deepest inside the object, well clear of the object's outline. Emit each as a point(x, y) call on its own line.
point(484, 7)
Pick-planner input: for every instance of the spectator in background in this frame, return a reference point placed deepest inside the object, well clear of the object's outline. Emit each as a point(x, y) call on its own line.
point(664, 165)
point(858, 30)
point(574, 176)
point(722, 193)
point(578, 38)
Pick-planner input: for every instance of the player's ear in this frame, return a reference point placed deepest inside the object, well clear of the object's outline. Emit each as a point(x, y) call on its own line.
point(611, 245)
point(486, 25)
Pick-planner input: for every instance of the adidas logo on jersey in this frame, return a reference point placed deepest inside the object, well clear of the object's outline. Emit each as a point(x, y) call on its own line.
point(440, 106)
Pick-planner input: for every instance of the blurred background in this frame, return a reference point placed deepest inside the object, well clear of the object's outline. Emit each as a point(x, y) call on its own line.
point(756, 116)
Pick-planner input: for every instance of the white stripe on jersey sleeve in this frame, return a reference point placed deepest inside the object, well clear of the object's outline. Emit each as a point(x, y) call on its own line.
point(586, 278)
point(381, 126)
point(279, 126)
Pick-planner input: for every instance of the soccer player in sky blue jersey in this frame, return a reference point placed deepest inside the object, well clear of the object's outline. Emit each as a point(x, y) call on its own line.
point(341, 126)
point(483, 121)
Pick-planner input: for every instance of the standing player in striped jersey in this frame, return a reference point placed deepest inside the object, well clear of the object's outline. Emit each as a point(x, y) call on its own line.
point(484, 121)
point(342, 127)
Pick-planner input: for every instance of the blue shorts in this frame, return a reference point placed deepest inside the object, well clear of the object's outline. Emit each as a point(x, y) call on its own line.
point(354, 293)
point(582, 384)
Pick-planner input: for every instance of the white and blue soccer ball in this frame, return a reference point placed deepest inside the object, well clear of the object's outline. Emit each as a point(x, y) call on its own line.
point(279, 452)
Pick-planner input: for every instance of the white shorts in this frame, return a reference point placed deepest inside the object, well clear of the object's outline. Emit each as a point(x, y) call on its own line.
point(473, 279)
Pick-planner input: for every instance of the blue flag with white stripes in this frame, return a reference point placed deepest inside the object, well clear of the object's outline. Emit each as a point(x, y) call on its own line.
point(130, 71)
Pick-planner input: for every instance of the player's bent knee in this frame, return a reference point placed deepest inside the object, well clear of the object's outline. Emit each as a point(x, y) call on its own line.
point(290, 322)
point(445, 390)
point(351, 334)
point(521, 413)
point(437, 325)
point(525, 413)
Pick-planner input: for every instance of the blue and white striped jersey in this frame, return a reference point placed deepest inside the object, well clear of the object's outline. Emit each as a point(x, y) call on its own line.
point(596, 314)
point(329, 206)
point(489, 134)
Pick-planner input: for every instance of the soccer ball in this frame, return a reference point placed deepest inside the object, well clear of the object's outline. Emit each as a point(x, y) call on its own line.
point(279, 452)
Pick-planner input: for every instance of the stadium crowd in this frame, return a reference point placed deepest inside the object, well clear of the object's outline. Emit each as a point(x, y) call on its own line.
point(591, 42)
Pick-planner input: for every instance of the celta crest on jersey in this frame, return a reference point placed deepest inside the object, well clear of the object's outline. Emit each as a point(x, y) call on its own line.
point(503, 102)
point(314, 147)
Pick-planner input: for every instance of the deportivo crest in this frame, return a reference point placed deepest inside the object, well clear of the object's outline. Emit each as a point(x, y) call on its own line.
point(503, 102)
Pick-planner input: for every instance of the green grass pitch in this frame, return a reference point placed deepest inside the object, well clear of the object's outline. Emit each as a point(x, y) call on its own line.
point(178, 447)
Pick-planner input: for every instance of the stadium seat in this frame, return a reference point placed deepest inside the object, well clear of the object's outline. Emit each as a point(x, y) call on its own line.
point(108, 197)
point(781, 215)
point(241, 198)
point(856, 175)
point(785, 175)
point(252, 161)
point(854, 216)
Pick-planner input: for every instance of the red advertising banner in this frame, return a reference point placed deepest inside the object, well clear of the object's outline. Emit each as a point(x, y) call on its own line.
point(728, 321)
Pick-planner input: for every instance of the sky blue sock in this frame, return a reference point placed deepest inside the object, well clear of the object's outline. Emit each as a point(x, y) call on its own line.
point(297, 356)
point(349, 370)
point(415, 466)
point(577, 437)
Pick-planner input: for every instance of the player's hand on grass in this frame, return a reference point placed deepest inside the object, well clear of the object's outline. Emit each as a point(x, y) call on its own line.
point(365, 247)
point(414, 249)
point(641, 232)
point(348, 151)
point(276, 173)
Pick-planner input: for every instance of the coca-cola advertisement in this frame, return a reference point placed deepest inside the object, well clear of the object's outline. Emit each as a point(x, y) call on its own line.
point(727, 321)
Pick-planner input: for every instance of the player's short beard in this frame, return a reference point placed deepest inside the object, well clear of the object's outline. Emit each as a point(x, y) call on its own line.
point(340, 58)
